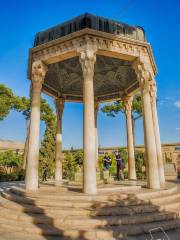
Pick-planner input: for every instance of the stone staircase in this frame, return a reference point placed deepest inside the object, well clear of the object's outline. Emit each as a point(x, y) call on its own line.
point(58, 213)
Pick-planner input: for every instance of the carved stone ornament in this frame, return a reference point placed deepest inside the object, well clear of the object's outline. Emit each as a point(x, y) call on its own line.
point(143, 75)
point(39, 70)
point(87, 60)
point(153, 91)
point(128, 105)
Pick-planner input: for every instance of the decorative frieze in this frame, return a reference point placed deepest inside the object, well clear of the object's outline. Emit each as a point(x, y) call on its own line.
point(96, 42)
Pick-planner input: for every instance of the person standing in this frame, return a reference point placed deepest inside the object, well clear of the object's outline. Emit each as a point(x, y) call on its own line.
point(107, 161)
point(119, 166)
point(45, 173)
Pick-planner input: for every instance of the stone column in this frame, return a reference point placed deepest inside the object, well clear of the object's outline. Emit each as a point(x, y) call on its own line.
point(38, 73)
point(144, 78)
point(96, 109)
point(157, 132)
point(130, 138)
point(59, 155)
point(87, 60)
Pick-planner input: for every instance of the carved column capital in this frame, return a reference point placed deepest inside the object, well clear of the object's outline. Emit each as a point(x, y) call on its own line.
point(128, 105)
point(39, 70)
point(143, 75)
point(87, 60)
point(153, 91)
point(146, 80)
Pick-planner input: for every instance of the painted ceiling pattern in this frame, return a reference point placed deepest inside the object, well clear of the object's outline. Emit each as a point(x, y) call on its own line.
point(111, 75)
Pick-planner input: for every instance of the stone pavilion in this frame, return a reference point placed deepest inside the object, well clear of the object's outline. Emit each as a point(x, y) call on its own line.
point(91, 59)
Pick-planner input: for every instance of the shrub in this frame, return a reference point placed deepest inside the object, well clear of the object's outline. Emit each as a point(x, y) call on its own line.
point(78, 157)
point(69, 166)
point(140, 163)
point(11, 164)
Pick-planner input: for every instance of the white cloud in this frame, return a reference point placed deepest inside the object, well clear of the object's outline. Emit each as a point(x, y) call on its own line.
point(177, 104)
point(178, 128)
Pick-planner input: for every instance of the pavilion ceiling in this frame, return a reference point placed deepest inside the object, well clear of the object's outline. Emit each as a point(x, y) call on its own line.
point(111, 76)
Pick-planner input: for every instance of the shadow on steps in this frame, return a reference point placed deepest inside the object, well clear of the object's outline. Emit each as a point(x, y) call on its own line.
point(118, 216)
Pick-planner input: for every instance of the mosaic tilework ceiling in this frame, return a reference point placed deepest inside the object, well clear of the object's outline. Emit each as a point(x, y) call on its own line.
point(111, 75)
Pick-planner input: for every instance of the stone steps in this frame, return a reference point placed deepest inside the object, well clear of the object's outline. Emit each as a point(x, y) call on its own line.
point(6, 204)
point(119, 232)
point(69, 203)
point(153, 194)
point(102, 195)
point(91, 221)
point(79, 197)
point(166, 199)
point(70, 211)
point(174, 204)
point(72, 215)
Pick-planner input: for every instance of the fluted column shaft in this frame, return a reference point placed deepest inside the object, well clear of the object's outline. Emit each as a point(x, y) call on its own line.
point(38, 74)
point(87, 60)
point(145, 79)
point(96, 108)
point(130, 139)
point(59, 155)
point(157, 133)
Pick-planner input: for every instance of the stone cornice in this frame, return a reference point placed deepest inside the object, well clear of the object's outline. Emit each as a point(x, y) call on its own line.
point(70, 45)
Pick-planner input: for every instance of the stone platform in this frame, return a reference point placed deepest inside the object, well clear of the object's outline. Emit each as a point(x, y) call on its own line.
point(116, 212)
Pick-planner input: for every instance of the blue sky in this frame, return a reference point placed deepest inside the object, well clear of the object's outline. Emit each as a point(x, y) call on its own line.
point(20, 20)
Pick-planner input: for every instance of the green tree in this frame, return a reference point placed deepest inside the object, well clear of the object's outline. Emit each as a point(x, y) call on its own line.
point(47, 150)
point(6, 101)
point(113, 109)
point(9, 102)
point(22, 104)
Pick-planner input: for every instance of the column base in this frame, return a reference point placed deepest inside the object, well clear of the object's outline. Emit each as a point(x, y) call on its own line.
point(91, 190)
point(58, 183)
point(154, 187)
point(31, 189)
point(31, 185)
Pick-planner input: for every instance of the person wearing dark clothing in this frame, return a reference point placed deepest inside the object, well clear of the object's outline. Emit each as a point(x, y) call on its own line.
point(119, 166)
point(45, 174)
point(107, 161)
